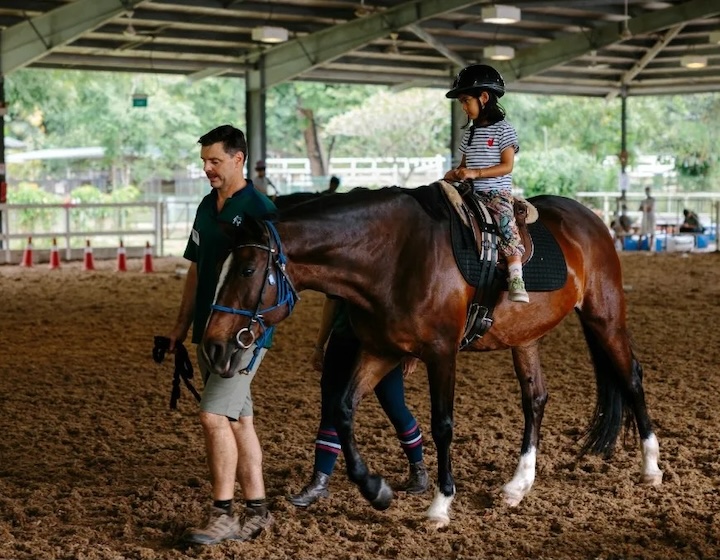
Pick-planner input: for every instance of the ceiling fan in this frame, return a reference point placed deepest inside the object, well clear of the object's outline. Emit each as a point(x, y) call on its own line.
point(365, 10)
point(130, 32)
point(393, 47)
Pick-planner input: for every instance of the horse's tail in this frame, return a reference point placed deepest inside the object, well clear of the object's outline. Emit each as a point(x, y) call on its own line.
point(612, 406)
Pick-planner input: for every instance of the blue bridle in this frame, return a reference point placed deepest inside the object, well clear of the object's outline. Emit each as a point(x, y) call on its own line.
point(286, 295)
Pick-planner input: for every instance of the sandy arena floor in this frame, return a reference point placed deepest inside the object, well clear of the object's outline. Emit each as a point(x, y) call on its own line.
point(94, 465)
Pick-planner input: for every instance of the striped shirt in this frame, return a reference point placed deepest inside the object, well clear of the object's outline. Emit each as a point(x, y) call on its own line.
point(488, 142)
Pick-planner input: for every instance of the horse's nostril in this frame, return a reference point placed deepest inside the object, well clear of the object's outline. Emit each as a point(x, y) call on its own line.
point(214, 351)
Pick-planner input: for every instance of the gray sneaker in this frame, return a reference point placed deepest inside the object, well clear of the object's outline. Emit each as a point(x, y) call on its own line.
point(516, 288)
point(221, 527)
point(254, 525)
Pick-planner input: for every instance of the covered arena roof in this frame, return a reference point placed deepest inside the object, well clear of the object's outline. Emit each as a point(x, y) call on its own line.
point(592, 48)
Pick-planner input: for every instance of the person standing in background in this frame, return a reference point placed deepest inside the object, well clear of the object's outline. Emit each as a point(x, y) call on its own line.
point(647, 225)
point(261, 181)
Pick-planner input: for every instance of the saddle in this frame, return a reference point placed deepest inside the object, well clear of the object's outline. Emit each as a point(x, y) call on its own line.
point(475, 216)
point(482, 267)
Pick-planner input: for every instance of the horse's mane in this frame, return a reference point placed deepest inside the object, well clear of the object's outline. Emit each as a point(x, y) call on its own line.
point(428, 197)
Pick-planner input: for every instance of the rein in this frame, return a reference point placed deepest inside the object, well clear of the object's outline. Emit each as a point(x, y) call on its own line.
point(286, 295)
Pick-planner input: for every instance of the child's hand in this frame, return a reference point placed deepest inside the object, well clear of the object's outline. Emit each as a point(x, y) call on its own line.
point(452, 176)
point(465, 173)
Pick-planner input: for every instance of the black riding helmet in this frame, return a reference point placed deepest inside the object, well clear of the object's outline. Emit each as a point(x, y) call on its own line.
point(477, 77)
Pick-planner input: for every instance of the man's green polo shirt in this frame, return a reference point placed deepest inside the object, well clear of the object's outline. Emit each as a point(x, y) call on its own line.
point(207, 243)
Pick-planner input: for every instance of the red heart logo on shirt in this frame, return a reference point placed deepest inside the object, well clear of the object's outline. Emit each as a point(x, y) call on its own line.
point(491, 141)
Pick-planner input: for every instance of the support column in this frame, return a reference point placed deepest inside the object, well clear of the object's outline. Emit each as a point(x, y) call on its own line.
point(623, 157)
point(255, 116)
point(3, 178)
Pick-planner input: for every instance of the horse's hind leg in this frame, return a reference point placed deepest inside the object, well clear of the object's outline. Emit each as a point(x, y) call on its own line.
point(534, 396)
point(619, 385)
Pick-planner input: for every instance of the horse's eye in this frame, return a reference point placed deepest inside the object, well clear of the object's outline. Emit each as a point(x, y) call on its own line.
point(247, 272)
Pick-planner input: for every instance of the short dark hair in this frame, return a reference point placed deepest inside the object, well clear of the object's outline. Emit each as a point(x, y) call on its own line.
point(334, 181)
point(233, 139)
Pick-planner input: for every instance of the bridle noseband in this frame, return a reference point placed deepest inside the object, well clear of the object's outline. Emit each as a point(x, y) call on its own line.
point(286, 294)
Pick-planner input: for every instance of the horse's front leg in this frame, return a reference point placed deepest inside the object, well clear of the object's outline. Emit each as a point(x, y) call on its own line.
point(368, 372)
point(441, 377)
point(534, 396)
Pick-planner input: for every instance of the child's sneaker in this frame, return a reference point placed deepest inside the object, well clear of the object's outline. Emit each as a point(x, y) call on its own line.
point(516, 288)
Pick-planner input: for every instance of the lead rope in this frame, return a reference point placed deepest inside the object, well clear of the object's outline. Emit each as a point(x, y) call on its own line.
point(183, 368)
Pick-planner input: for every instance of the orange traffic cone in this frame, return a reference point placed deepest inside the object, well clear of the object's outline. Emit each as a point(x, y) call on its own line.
point(54, 256)
point(147, 259)
point(88, 261)
point(121, 258)
point(27, 258)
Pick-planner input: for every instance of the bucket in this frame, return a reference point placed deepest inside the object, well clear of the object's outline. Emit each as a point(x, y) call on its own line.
point(681, 243)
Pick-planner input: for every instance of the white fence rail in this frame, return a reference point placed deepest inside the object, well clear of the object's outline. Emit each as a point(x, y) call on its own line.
point(166, 224)
point(71, 225)
point(294, 174)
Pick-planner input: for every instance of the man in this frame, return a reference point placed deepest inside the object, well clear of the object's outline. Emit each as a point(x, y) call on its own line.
point(226, 415)
point(261, 180)
point(691, 223)
point(647, 225)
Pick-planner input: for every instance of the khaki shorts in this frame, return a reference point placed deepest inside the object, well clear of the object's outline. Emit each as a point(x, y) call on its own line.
point(229, 396)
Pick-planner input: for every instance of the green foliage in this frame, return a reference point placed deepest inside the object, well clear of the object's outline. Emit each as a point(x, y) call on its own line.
point(543, 122)
point(33, 219)
point(561, 171)
point(130, 193)
point(414, 122)
point(88, 218)
point(289, 104)
point(60, 108)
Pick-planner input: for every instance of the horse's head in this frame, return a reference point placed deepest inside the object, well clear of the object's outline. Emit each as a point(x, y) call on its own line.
point(253, 293)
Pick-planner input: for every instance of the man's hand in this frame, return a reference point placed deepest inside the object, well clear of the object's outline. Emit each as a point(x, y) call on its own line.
point(317, 359)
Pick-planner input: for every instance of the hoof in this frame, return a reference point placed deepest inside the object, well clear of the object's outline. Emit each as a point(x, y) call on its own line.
point(378, 492)
point(653, 479)
point(512, 501)
point(438, 522)
point(511, 497)
point(439, 512)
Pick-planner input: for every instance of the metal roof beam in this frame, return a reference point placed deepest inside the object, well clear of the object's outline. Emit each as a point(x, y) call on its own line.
point(645, 60)
point(535, 60)
point(30, 40)
point(437, 45)
point(289, 60)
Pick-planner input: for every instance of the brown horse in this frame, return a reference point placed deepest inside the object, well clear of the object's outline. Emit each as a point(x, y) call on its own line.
point(388, 253)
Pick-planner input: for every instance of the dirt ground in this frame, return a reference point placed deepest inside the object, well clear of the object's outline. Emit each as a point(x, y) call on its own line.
point(94, 465)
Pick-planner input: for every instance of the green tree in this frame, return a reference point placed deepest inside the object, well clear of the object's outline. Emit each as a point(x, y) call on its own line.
point(414, 122)
point(561, 171)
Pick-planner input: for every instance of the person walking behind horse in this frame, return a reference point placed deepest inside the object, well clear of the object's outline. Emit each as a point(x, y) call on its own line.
point(261, 181)
point(336, 363)
point(488, 150)
point(647, 224)
point(226, 412)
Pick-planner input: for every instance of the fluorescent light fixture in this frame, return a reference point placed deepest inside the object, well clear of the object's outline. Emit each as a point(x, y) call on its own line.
point(500, 14)
point(267, 34)
point(694, 61)
point(499, 52)
point(715, 37)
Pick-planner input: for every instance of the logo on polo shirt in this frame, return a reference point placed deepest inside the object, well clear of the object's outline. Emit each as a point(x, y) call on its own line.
point(237, 220)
